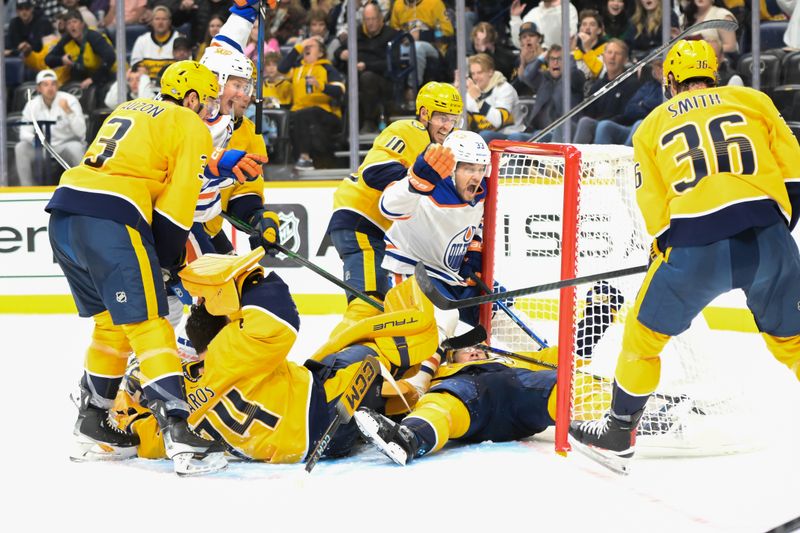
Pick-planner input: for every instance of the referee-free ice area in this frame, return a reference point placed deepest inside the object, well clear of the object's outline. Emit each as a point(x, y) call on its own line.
point(491, 487)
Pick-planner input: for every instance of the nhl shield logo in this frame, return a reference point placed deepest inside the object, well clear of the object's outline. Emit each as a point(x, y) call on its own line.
point(289, 232)
point(121, 297)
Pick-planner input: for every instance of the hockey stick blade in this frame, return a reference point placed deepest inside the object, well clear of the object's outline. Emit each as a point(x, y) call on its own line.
point(472, 337)
point(443, 302)
point(347, 404)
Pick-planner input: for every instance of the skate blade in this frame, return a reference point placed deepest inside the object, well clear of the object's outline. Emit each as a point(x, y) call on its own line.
point(369, 427)
point(87, 450)
point(615, 463)
point(190, 464)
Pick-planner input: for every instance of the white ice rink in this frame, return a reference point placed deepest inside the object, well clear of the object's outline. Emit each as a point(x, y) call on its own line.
point(520, 486)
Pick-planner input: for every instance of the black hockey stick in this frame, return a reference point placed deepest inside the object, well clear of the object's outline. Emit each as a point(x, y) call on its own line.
point(243, 226)
point(347, 404)
point(517, 320)
point(729, 25)
point(443, 302)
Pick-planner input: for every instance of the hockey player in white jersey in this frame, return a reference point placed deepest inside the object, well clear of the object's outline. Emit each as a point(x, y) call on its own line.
point(438, 216)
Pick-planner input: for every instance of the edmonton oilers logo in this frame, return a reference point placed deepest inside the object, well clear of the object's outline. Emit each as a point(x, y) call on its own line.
point(457, 247)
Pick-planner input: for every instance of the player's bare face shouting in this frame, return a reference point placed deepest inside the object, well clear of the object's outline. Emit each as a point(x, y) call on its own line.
point(468, 178)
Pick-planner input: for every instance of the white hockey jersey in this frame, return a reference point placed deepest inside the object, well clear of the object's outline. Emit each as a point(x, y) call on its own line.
point(435, 229)
point(232, 36)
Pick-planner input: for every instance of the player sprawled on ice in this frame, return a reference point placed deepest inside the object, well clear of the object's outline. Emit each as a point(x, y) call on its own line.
point(718, 186)
point(357, 226)
point(245, 393)
point(476, 397)
point(117, 220)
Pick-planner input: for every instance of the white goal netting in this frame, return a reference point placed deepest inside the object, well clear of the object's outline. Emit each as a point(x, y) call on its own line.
point(701, 405)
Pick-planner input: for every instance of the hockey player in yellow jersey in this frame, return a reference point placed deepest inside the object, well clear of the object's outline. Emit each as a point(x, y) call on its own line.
point(120, 219)
point(718, 186)
point(245, 393)
point(357, 227)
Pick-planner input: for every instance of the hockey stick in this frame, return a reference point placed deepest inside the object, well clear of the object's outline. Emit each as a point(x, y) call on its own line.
point(250, 230)
point(518, 321)
point(346, 405)
point(262, 17)
point(443, 302)
point(42, 139)
point(729, 25)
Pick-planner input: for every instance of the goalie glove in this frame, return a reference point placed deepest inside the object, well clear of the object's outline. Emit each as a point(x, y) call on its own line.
point(224, 164)
point(430, 168)
point(268, 225)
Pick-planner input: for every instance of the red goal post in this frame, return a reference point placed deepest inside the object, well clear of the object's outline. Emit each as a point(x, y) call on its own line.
point(556, 211)
point(569, 227)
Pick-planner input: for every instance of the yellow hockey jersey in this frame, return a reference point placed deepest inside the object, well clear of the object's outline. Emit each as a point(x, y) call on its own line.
point(355, 202)
point(144, 170)
point(431, 13)
point(280, 90)
point(242, 199)
point(711, 163)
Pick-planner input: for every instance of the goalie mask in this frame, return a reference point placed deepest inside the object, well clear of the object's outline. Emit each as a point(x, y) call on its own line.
point(469, 147)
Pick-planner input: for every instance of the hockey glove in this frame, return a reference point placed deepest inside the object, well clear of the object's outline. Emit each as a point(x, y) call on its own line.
point(268, 225)
point(472, 265)
point(234, 164)
point(430, 168)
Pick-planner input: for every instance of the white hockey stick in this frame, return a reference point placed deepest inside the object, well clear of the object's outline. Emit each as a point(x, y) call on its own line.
point(43, 140)
point(729, 25)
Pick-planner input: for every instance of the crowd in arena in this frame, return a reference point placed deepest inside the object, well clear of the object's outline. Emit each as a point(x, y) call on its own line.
point(64, 51)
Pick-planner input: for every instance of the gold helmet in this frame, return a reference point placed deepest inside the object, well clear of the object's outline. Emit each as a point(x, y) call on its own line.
point(442, 97)
point(183, 76)
point(690, 59)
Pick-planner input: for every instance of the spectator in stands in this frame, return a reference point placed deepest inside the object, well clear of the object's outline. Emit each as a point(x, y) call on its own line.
point(612, 103)
point(206, 10)
point(316, 114)
point(134, 13)
point(428, 24)
point(338, 15)
point(531, 56)
point(154, 48)
point(374, 89)
point(88, 54)
point(589, 43)
point(67, 135)
point(251, 48)
point(485, 40)
point(139, 86)
point(617, 21)
point(50, 8)
point(619, 129)
point(547, 86)
point(277, 91)
point(88, 17)
point(792, 35)
point(212, 29)
point(26, 31)
point(318, 26)
point(647, 23)
point(181, 49)
point(546, 15)
point(726, 74)
point(700, 10)
point(491, 102)
point(287, 21)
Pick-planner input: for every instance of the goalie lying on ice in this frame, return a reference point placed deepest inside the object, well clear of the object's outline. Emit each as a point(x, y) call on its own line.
point(245, 393)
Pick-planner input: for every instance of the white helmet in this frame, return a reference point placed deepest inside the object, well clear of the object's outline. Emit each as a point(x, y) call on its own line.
point(225, 62)
point(469, 147)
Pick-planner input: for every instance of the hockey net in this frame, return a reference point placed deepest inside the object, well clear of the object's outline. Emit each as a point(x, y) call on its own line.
point(561, 211)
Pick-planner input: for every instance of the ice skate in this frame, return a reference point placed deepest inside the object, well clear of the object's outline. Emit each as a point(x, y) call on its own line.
point(395, 441)
point(96, 437)
point(608, 440)
point(191, 455)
